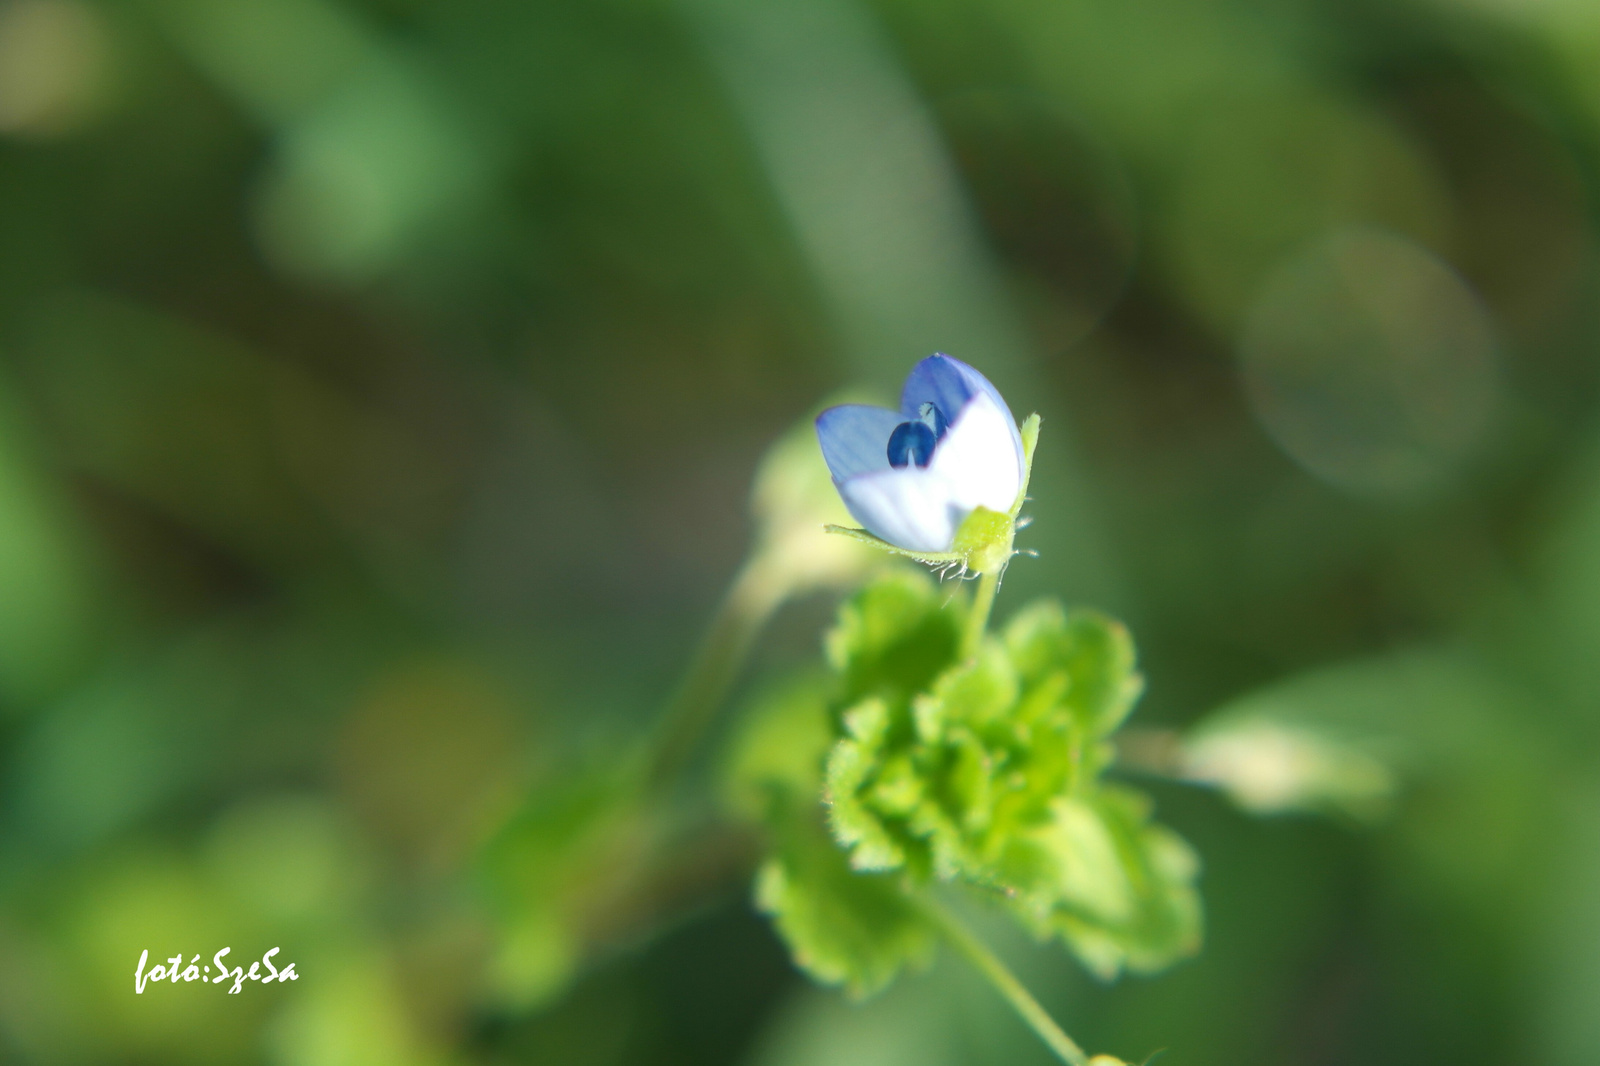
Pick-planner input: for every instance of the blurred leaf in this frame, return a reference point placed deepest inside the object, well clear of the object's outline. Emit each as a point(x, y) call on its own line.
point(378, 169)
point(1424, 711)
point(279, 58)
point(1268, 767)
point(898, 273)
point(842, 927)
point(373, 156)
point(46, 603)
point(778, 753)
point(792, 499)
point(577, 843)
point(1460, 740)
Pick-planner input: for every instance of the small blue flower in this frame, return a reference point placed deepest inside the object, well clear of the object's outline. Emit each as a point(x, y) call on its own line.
point(911, 476)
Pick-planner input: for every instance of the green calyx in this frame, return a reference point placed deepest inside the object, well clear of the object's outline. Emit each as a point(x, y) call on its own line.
point(984, 542)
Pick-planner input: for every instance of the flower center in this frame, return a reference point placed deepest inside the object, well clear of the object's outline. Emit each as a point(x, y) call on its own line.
point(913, 442)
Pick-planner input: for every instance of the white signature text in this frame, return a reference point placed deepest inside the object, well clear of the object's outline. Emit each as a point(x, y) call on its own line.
point(176, 971)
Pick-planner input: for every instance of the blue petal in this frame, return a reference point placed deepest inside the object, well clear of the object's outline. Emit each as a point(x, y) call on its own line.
point(949, 384)
point(855, 438)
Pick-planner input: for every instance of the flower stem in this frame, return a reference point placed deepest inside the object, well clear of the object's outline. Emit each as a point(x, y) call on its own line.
point(978, 616)
point(986, 962)
point(755, 593)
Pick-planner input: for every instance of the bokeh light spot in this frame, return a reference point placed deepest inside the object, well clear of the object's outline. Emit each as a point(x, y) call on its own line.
point(365, 176)
point(1371, 363)
point(53, 57)
point(288, 857)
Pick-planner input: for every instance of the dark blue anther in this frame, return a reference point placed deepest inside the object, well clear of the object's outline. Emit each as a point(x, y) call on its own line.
point(934, 419)
point(911, 442)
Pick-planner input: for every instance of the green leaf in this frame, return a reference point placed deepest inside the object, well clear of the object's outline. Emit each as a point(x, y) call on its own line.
point(986, 771)
point(1096, 652)
point(842, 927)
point(853, 765)
point(920, 795)
point(895, 636)
point(1118, 889)
point(978, 695)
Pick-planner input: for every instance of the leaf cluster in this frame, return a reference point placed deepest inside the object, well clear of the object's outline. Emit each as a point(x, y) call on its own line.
point(987, 772)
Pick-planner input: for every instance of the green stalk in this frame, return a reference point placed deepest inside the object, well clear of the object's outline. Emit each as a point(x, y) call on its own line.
point(986, 962)
point(750, 601)
point(978, 617)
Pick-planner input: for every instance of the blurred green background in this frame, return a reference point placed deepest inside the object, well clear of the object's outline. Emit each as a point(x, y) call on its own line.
point(381, 383)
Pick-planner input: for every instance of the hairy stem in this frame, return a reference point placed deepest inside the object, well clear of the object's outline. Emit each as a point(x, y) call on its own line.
point(986, 962)
point(978, 617)
point(755, 593)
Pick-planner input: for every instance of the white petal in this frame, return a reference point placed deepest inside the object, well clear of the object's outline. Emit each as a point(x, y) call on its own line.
point(907, 506)
point(980, 459)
